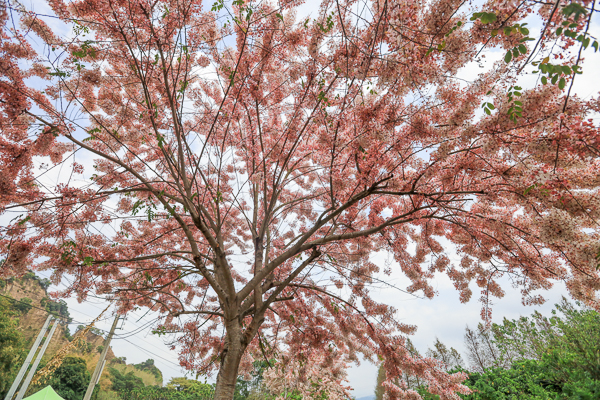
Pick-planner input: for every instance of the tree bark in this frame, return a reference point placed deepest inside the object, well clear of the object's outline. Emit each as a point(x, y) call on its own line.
point(230, 363)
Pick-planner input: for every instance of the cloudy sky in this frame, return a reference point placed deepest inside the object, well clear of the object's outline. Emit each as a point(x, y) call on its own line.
point(443, 317)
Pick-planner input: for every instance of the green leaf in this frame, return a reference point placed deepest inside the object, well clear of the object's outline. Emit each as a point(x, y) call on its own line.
point(595, 46)
point(562, 83)
point(491, 106)
point(554, 79)
point(508, 56)
point(527, 190)
point(544, 80)
point(515, 52)
point(487, 18)
point(487, 111)
point(586, 43)
point(494, 32)
point(88, 260)
point(559, 31)
point(574, 8)
point(522, 49)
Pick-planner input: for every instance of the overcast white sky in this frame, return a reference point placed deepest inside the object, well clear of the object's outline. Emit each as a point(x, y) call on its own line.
point(443, 317)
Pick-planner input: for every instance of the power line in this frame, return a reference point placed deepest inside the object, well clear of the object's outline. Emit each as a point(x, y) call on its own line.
point(44, 310)
point(71, 323)
point(153, 354)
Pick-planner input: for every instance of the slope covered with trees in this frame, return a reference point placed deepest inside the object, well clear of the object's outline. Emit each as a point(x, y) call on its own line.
point(24, 306)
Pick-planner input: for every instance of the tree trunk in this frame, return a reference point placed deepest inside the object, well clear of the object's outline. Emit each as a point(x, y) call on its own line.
point(230, 363)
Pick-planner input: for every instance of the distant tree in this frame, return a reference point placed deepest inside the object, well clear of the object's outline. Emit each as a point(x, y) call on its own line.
point(379, 390)
point(449, 356)
point(191, 386)
point(71, 379)
point(119, 360)
point(551, 358)
point(57, 307)
point(482, 353)
point(567, 344)
point(45, 283)
point(521, 382)
point(149, 366)
point(122, 383)
point(252, 384)
point(23, 305)
point(176, 389)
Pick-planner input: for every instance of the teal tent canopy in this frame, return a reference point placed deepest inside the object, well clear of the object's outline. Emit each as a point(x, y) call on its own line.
point(46, 393)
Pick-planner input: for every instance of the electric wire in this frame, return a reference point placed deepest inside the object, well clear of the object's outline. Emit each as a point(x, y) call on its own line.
point(155, 355)
point(123, 336)
point(58, 316)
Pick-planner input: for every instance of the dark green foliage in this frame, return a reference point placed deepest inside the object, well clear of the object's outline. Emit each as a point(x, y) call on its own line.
point(177, 389)
point(71, 379)
point(30, 275)
point(45, 283)
point(556, 358)
point(12, 348)
point(23, 305)
point(149, 366)
point(244, 388)
point(122, 383)
point(552, 358)
point(525, 380)
point(67, 333)
point(379, 390)
point(56, 307)
point(163, 393)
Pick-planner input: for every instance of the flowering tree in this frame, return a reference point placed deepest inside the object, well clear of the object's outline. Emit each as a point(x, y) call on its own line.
point(247, 163)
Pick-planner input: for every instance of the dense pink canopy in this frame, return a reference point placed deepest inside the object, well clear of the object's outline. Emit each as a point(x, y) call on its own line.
point(248, 163)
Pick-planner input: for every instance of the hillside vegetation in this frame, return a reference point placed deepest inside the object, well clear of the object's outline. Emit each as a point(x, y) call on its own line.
point(24, 307)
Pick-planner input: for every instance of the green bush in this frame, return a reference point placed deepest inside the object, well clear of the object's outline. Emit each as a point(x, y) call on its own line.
point(122, 383)
point(12, 346)
point(71, 379)
point(149, 366)
point(554, 358)
point(23, 305)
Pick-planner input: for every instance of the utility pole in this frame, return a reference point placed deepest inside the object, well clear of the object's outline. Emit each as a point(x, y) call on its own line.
point(36, 362)
point(25, 365)
point(100, 366)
